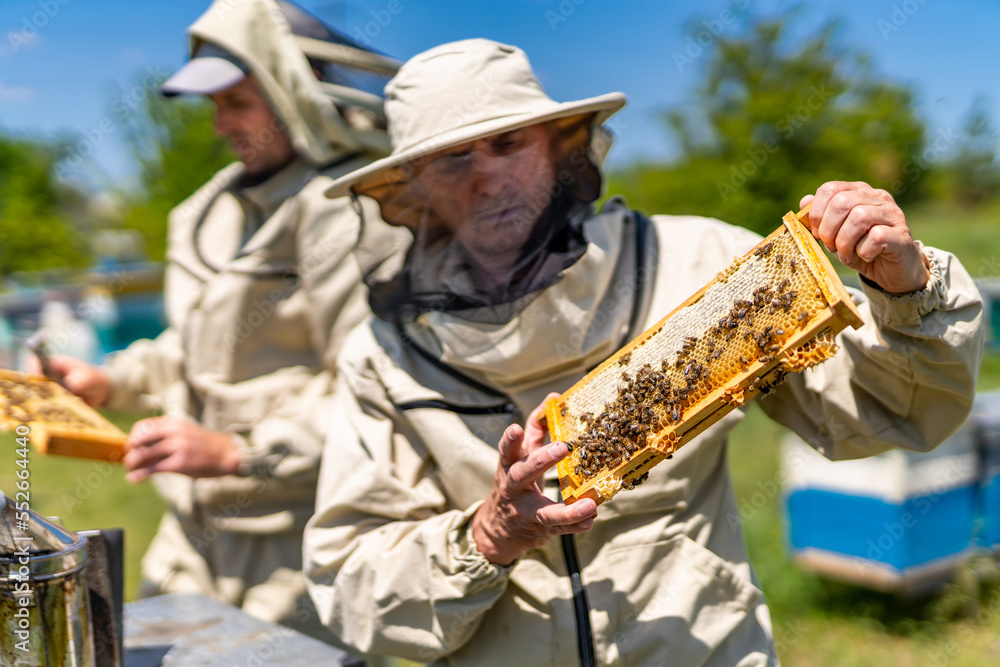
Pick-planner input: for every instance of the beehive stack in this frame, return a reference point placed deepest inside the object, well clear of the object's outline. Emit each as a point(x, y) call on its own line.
point(773, 311)
point(58, 422)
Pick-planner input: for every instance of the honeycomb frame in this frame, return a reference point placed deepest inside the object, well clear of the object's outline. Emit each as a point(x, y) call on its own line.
point(59, 423)
point(718, 349)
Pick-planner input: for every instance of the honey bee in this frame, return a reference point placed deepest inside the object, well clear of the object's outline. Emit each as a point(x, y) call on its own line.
point(763, 250)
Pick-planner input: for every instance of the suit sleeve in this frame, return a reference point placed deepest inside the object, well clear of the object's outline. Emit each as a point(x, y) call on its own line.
point(907, 378)
point(144, 372)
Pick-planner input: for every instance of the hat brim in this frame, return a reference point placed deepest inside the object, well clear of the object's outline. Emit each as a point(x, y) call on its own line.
point(385, 172)
point(203, 76)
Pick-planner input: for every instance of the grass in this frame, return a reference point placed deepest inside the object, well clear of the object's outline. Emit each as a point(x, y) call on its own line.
point(819, 622)
point(971, 235)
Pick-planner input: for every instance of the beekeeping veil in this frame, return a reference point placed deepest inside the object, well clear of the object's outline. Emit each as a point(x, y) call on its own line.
point(464, 115)
point(325, 90)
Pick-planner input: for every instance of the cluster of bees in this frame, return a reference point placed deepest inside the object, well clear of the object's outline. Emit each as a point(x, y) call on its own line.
point(17, 392)
point(740, 318)
point(654, 398)
point(17, 396)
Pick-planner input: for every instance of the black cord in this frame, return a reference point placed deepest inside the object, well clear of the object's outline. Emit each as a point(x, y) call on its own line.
point(581, 606)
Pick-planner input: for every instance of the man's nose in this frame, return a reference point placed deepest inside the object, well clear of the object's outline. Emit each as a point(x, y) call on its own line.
point(490, 174)
point(222, 122)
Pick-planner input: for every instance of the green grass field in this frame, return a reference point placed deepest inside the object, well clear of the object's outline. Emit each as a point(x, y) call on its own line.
point(817, 622)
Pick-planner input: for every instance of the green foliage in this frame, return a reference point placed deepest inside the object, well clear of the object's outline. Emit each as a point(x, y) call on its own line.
point(974, 176)
point(772, 122)
point(175, 147)
point(34, 231)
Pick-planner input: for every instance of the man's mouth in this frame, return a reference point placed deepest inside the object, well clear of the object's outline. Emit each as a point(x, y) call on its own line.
point(506, 214)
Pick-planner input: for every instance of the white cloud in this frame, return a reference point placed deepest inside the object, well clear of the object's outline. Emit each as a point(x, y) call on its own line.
point(15, 94)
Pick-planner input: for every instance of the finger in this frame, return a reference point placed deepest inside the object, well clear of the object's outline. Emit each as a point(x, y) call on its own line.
point(146, 432)
point(536, 428)
point(838, 209)
point(805, 201)
point(529, 470)
point(873, 243)
point(139, 474)
point(824, 194)
point(578, 527)
point(860, 220)
point(510, 446)
point(557, 514)
point(143, 457)
point(33, 366)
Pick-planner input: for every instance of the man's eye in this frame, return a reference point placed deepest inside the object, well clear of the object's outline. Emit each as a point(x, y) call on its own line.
point(450, 163)
point(506, 145)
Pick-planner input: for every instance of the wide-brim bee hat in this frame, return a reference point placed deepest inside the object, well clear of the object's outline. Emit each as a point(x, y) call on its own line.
point(460, 92)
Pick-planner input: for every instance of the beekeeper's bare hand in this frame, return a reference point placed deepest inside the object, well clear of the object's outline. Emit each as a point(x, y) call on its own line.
point(171, 444)
point(516, 516)
point(867, 231)
point(89, 382)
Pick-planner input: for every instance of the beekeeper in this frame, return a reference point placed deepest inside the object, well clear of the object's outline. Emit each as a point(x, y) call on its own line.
point(446, 543)
point(263, 283)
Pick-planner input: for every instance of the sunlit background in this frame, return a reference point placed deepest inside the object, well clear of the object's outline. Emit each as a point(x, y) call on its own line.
point(737, 108)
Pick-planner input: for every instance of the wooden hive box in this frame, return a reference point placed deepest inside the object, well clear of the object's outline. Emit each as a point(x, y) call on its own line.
point(773, 311)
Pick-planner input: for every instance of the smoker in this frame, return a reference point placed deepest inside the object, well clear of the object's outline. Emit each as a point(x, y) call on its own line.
point(60, 592)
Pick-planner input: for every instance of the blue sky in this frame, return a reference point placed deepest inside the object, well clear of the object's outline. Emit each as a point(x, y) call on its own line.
point(66, 64)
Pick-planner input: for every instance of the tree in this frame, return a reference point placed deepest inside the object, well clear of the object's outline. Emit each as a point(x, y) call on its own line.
point(772, 121)
point(35, 234)
point(973, 173)
point(175, 147)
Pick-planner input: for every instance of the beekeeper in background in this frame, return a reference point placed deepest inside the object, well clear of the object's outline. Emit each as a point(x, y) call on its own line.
point(263, 283)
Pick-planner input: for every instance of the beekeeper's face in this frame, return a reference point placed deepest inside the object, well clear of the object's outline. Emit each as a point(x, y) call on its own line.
point(243, 115)
point(490, 192)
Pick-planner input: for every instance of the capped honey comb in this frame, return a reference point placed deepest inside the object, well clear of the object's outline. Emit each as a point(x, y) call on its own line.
point(773, 311)
point(58, 422)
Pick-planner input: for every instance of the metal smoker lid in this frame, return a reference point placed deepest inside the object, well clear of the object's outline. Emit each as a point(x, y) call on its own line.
point(51, 549)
